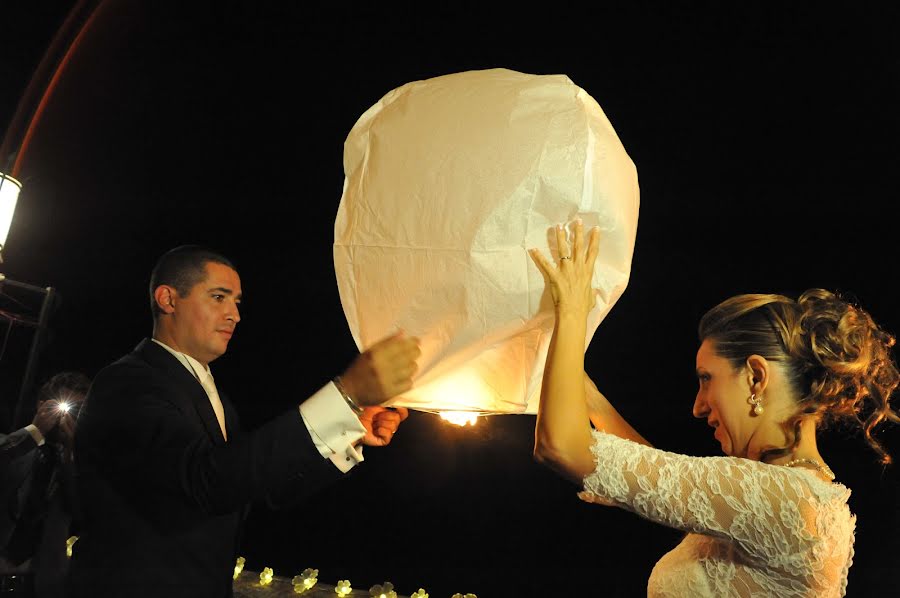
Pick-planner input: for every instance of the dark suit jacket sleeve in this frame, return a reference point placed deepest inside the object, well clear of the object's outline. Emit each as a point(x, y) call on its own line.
point(142, 431)
point(15, 445)
point(15, 453)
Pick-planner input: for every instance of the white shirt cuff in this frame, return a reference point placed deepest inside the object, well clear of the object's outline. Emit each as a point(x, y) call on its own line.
point(36, 434)
point(334, 427)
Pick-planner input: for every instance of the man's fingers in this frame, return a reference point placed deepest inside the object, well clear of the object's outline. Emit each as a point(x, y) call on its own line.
point(377, 376)
point(404, 371)
point(396, 335)
point(381, 423)
point(400, 387)
point(381, 434)
point(386, 432)
point(397, 355)
point(390, 416)
point(398, 341)
point(402, 346)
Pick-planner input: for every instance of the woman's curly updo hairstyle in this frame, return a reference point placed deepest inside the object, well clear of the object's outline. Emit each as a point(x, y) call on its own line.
point(837, 360)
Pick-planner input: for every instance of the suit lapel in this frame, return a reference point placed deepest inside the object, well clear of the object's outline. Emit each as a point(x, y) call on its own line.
point(173, 369)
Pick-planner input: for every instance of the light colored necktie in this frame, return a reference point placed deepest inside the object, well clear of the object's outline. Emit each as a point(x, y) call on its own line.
point(209, 385)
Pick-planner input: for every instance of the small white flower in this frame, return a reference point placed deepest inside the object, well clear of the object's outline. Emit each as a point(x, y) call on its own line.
point(238, 566)
point(383, 591)
point(305, 580)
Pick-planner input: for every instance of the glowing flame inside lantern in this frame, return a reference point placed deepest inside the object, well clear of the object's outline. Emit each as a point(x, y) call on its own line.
point(460, 418)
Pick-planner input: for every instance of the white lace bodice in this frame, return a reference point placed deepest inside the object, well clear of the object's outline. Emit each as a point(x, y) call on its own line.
point(754, 529)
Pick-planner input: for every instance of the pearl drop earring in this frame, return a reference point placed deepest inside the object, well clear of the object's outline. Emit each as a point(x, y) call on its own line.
point(757, 404)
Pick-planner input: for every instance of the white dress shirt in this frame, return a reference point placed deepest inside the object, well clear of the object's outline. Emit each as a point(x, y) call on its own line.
point(332, 425)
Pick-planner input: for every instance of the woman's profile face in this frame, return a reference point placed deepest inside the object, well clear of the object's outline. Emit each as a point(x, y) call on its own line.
point(722, 400)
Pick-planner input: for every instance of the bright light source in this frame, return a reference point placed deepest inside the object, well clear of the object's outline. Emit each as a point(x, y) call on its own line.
point(460, 418)
point(64, 407)
point(9, 194)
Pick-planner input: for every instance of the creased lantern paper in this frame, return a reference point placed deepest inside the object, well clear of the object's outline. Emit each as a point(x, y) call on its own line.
point(448, 182)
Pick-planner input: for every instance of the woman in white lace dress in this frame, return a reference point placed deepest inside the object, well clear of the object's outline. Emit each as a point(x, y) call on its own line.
point(767, 519)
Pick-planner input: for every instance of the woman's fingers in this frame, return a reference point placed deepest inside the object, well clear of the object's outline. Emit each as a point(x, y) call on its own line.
point(578, 251)
point(562, 244)
point(577, 239)
point(570, 282)
point(542, 263)
point(593, 248)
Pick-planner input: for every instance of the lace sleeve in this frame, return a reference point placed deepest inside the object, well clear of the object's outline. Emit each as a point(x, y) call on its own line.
point(768, 511)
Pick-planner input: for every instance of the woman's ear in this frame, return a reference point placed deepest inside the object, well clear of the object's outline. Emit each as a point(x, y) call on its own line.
point(758, 370)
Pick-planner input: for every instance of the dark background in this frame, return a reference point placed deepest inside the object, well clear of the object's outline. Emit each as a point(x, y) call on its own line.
point(766, 142)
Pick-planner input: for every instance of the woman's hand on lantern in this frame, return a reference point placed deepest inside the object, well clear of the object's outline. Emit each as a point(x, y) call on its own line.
point(570, 282)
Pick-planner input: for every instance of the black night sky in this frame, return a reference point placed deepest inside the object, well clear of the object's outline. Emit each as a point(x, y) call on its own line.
point(766, 143)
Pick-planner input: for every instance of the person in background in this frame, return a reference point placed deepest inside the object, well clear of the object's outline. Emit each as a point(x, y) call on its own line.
point(165, 471)
point(37, 501)
point(767, 519)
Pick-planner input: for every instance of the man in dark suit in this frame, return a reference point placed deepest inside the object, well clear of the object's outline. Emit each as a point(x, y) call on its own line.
point(164, 471)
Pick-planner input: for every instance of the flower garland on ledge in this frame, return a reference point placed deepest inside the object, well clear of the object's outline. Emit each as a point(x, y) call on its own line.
point(307, 583)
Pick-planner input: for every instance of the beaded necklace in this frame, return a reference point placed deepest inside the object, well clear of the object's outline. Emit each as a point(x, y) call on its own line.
point(819, 466)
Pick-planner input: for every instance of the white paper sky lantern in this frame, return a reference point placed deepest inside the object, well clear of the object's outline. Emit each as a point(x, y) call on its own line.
point(448, 182)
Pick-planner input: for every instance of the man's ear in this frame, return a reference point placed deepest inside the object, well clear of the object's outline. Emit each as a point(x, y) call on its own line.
point(758, 370)
point(165, 297)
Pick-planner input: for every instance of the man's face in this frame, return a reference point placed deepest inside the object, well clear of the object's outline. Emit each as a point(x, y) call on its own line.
point(205, 319)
